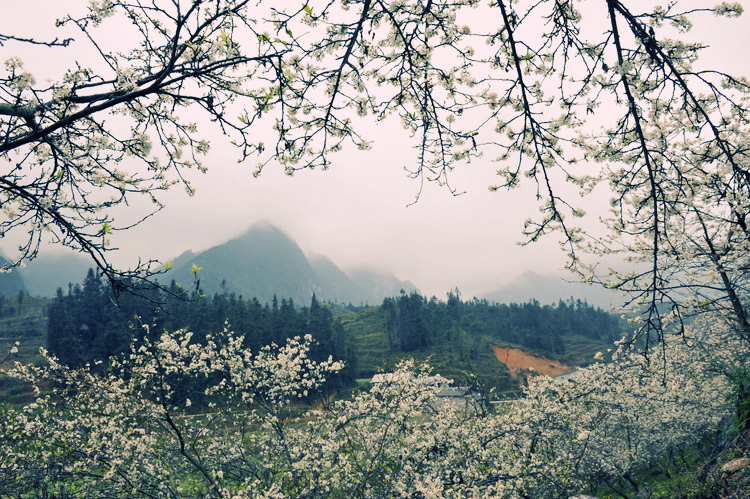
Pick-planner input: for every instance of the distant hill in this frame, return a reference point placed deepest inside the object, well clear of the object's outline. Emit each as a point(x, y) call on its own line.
point(548, 289)
point(11, 282)
point(48, 272)
point(378, 285)
point(264, 262)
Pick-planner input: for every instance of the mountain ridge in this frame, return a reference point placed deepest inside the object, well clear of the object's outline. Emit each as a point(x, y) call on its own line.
point(264, 262)
point(548, 289)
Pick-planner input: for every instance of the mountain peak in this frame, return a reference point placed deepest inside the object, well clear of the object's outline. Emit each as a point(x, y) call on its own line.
point(263, 226)
point(265, 261)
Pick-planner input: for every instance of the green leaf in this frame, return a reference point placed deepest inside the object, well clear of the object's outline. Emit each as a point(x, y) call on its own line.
point(168, 266)
point(106, 229)
point(195, 269)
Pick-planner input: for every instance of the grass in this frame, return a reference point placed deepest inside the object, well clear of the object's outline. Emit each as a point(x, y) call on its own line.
point(580, 351)
point(461, 360)
point(26, 324)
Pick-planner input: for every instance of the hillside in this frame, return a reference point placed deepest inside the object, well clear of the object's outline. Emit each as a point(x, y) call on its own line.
point(517, 361)
point(23, 316)
point(461, 340)
point(25, 322)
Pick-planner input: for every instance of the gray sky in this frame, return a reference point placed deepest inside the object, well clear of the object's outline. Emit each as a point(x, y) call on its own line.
point(357, 212)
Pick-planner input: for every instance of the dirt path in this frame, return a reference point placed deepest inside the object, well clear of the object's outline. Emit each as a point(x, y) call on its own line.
point(517, 359)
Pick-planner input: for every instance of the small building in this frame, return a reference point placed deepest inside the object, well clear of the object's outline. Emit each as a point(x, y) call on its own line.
point(461, 397)
point(570, 376)
point(383, 378)
point(446, 395)
point(437, 381)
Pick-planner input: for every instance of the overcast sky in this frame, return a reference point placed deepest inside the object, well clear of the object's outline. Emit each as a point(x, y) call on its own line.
point(360, 211)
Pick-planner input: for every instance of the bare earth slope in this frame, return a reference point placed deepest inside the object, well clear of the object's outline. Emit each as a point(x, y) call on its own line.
point(517, 359)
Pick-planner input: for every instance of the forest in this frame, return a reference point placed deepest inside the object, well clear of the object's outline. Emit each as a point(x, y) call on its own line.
point(413, 322)
point(88, 325)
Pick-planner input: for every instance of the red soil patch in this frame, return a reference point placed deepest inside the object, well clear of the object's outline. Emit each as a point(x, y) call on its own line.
point(517, 359)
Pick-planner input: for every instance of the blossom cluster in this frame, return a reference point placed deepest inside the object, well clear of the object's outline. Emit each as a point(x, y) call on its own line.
point(131, 428)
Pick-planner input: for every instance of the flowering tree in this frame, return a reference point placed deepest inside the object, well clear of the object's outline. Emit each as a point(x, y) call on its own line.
point(129, 430)
point(466, 79)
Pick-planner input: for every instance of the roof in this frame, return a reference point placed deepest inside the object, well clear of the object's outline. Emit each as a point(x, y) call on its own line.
point(567, 376)
point(438, 380)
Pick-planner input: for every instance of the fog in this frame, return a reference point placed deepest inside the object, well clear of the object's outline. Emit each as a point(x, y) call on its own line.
point(362, 210)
